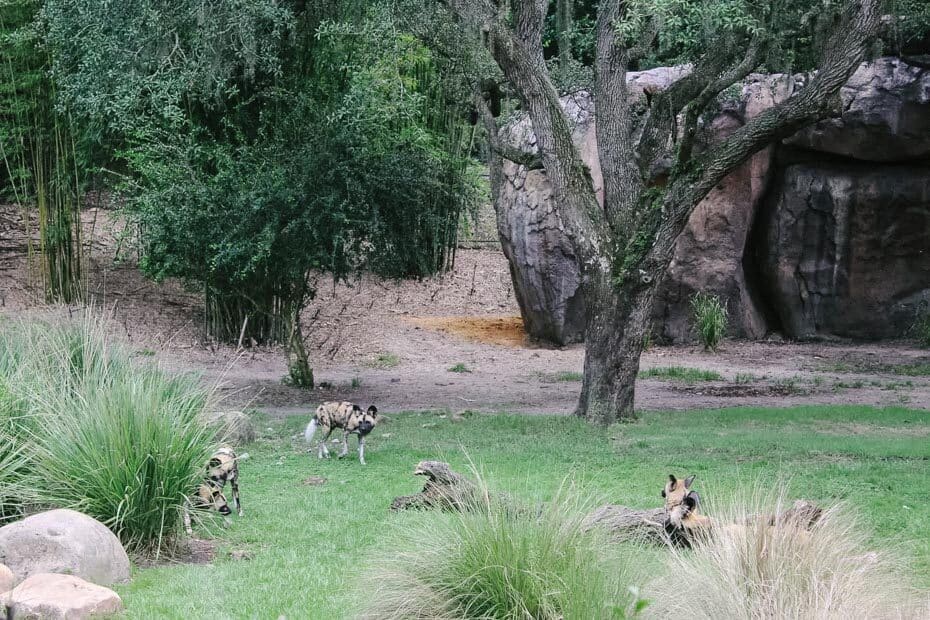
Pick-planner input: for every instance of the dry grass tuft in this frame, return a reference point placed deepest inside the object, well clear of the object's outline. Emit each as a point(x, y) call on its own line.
point(747, 568)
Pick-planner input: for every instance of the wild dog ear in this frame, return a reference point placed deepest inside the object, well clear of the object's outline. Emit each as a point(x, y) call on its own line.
point(373, 411)
point(688, 481)
point(672, 480)
point(663, 492)
point(214, 462)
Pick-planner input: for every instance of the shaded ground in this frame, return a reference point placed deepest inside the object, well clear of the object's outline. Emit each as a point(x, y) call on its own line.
point(394, 343)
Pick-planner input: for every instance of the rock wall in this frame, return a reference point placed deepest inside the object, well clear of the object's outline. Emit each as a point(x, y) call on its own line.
point(827, 233)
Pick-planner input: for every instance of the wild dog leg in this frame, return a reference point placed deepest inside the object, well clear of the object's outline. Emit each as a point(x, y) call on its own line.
point(345, 444)
point(186, 514)
point(361, 449)
point(321, 448)
point(234, 482)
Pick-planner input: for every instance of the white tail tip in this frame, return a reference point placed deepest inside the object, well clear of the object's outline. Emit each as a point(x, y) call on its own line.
point(311, 429)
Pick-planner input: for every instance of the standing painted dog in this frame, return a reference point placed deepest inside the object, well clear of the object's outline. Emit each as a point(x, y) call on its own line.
point(347, 416)
point(222, 467)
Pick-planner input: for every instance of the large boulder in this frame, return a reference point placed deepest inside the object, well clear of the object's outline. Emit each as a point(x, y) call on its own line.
point(543, 265)
point(723, 250)
point(845, 248)
point(63, 541)
point(885, 115)
point(709, 254)
point(47, 596)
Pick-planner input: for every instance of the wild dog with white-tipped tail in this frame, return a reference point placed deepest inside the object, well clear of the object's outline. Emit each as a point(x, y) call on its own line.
point(347, 416)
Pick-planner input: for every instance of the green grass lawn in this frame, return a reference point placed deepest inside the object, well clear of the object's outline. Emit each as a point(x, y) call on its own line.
point(309, 543)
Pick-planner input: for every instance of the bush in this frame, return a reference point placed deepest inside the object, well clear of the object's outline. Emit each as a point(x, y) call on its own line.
point(497, 562)
point(710, 316)
point(121, 442)
point(758, 571)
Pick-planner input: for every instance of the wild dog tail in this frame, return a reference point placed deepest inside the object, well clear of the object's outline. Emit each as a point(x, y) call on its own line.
point(311, 429)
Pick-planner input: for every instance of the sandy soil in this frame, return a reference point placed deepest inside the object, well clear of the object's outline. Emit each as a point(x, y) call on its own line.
point(393, 343)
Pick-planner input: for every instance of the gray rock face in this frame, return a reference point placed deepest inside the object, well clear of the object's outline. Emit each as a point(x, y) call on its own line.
point(547, 283)
point(729, 249)
point(886, 115)
point(63, 541)
point(845, 248)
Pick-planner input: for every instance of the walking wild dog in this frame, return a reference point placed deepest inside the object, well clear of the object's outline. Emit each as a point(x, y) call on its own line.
point(347, 416)
point(222, 467)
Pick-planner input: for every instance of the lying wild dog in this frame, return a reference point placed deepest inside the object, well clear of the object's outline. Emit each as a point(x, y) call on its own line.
point(347, 416)
point(222, 467)
point(684, 522)
point(682, 508)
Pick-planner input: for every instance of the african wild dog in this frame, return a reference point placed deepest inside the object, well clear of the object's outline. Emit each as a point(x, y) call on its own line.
point(682, 509)
point(222, 467)
point(347, 416)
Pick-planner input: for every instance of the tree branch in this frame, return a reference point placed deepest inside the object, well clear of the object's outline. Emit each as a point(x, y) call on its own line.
point(846, 49)
point(614, 126)
point(710, 92)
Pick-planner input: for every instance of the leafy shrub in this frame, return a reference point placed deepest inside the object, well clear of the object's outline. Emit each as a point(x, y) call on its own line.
point(121, 442)
point(497, 562)
point(710, 316)
point(758, 571)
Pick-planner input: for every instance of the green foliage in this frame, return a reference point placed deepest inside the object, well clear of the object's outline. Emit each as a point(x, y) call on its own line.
point(460, 368)
point(263, 144)
point(562, 376)
point(710, 317)
point(39, 168)
point(680, 373)
point(385, 361)
point(124, 443)
point(490, 561)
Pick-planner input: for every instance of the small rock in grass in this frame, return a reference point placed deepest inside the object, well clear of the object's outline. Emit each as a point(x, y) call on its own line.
point(48, 596)
point(315, 481)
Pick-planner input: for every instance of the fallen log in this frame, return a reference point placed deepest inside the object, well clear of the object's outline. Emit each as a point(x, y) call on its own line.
point(446, 489)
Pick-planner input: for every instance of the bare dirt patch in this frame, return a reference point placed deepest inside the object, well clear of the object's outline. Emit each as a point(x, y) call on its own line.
point(186, 551)
point(426, 327)
point(504, 331)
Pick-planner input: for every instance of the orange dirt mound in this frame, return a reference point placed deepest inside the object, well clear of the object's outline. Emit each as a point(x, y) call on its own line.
point(500, 330)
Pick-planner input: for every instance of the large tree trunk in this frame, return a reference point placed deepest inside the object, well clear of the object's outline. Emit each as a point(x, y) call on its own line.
point(617, 322)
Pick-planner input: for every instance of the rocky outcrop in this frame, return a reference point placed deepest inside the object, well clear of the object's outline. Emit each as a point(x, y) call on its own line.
point(845, 248)
point(543, 264)
point(47, 596)
point(886, 116)
point(743, 242)
point(63, 541)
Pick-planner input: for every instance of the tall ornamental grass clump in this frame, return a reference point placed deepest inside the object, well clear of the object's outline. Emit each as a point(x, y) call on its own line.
point(493, 561)
point(120, 441)
point(710, 318)
point(749, 569)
